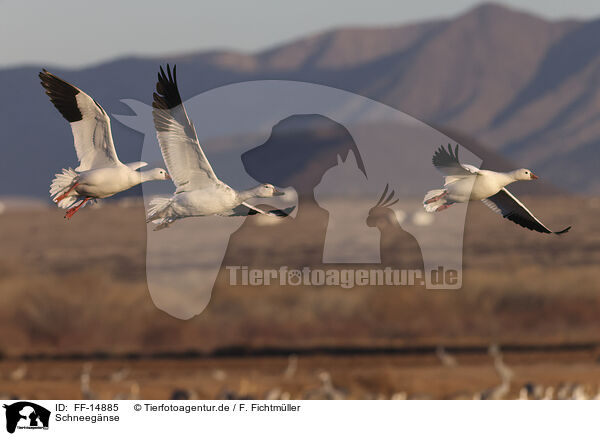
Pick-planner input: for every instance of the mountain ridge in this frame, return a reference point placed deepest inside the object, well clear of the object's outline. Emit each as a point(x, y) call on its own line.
point(524, 86)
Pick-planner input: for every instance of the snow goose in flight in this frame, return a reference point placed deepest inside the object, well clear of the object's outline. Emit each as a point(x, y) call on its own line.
point(100, 173)
point(465, 183)
point(199, 192)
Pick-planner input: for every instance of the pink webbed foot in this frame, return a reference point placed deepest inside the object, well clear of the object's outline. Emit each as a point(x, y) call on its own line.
point(74, 210)
point(64, 195)
point(443, 206)
point(436, 198)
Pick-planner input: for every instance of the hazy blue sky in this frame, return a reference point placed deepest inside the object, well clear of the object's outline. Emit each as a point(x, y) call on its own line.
point(76, 33)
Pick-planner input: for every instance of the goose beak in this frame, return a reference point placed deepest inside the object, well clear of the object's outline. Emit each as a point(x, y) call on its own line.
point(533, 176)
point(277, 193)
point(167, 176)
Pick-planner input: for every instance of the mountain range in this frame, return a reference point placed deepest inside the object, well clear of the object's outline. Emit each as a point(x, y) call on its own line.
point(525, 87)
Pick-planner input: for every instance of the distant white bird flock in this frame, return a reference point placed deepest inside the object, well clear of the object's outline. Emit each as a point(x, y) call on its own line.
point(464, 183)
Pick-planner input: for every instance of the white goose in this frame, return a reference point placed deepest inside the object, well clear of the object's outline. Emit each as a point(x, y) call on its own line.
point(465, 183)
point(199, 192)
point(100, 173)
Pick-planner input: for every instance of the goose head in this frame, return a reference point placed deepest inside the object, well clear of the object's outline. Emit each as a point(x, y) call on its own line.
point(267, 190)
point(524, 174)
point(158, 174)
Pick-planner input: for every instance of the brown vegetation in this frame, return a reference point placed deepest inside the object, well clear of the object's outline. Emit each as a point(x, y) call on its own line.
point(79, 287)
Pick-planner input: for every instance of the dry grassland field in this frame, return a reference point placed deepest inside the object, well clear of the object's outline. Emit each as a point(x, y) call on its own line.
point(76, 307)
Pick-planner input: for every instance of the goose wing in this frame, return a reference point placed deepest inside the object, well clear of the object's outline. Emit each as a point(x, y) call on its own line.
point(137, 165)
point(247, 209)
point(511, 208)
point(89, 122)
point(179, 145)
point(446, 160)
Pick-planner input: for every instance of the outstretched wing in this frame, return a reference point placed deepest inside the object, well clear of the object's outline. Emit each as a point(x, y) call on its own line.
point(89, 122)
point(510, 208)
point(187, 164)
point(447, 162)
point(137, 165)
point(247, 209)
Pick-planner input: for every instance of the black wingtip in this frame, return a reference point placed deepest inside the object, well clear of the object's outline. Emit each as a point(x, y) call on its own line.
point(443, 151)
point(287, 211)
point(44, 74)
point(62, 94)
point(563, 231)
point(283, 213)
point(167, 92)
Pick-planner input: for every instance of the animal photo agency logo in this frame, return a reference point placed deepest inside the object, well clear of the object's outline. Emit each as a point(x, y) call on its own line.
point(25, 415)
point(272, 175)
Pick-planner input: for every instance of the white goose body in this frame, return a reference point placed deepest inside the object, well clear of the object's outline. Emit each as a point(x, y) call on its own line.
point(100, 173)
point(199, 192)
point(479, 186)
point(202, 202)
point(464, 183)
point(105, 182)
point(220, 199)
